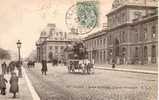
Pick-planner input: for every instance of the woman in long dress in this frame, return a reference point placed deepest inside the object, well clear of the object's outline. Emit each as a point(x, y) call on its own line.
point(14, 87)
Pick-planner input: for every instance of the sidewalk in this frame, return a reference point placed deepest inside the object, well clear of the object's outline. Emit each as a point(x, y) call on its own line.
point(24, 92)
point(146, 69)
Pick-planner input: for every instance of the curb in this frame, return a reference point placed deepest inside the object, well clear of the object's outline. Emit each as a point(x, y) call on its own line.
point(128, 70)
point(31, 88)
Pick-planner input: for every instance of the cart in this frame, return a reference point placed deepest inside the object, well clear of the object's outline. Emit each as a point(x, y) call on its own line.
point(80, 66)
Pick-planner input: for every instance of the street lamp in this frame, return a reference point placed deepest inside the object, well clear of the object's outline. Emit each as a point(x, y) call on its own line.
point(19, 61)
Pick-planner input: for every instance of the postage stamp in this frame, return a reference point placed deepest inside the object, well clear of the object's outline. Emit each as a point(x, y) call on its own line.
point(82, 17)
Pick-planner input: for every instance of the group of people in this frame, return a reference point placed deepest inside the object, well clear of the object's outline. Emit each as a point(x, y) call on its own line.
point(85, 65)
point(10, 69)
point(31, 64)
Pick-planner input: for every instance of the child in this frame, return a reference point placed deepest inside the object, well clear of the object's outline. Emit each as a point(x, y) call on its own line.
point(3, 82)
point(14, 88)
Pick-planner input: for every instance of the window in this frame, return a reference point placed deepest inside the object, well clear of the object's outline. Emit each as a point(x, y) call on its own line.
point(101, 42)
point(145, 51)
point(62, 47)
point(98, 43)
point(104, 42)
point(136, 36)
point(95, 42)
point(101, 56)
point(60, 33)
point(104, 56)
point(123, 51)
point(153, 52)
point(120, 37)
point(50, 47)
point(110, 39)
point(153, 30)
point(136, 52)
point(145, 33)
point(123, 36)
point(56, 47)
point(57, 34)
point(55, 38)
point(123, 17)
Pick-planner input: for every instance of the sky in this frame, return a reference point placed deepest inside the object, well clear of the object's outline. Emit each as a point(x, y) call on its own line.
point(25, 19)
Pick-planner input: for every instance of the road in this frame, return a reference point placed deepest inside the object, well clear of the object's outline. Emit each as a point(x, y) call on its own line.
point(58, 84)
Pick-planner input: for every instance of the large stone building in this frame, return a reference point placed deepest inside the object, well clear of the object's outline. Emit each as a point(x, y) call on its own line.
point(96, 44)
point(51, 44)
point(131, 36)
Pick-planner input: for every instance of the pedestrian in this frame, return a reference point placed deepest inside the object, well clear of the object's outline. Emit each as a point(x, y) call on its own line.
point(44, 67)
point(4, 68)
point(8, 69)
point(3, 82)
point(14, 87)
point(11, 66)
point(113, 63)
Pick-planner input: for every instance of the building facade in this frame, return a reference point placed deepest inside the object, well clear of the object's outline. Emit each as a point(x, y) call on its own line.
point(51, 44)
point(96, 45)
point(131, 35)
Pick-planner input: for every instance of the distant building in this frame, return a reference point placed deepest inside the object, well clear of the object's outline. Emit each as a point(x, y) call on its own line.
point(131, 35)
point(51, 44)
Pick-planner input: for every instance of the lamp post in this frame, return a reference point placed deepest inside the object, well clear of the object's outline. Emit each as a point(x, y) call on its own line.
point(19, 60)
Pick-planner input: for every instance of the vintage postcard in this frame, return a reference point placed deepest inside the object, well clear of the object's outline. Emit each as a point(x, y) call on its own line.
point(78, 49)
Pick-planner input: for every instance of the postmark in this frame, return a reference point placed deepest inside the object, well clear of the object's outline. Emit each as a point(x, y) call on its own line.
point(82, 17)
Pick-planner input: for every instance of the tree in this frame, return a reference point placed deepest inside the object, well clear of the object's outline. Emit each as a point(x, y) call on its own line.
point(4, 54)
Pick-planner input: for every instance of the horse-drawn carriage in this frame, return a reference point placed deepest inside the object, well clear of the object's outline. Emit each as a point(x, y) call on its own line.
point(83, 66)
point(76, 57)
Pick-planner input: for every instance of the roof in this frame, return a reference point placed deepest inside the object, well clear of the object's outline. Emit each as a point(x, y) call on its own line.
point(96, 34)
point(120, 4)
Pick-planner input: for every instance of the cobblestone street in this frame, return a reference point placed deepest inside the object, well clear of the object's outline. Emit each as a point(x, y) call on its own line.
point(58, 84)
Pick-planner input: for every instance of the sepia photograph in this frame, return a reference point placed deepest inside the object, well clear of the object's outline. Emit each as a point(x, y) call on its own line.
point(79, 50)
